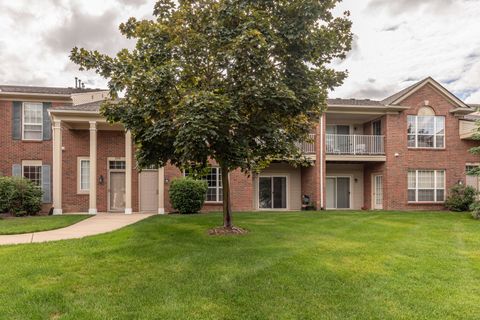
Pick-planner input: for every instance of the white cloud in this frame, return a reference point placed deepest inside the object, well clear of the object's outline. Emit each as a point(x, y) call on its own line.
point(404, 41)
point(396, 42)
point(36, 37)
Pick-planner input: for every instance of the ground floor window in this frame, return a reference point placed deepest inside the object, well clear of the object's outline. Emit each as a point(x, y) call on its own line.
point(213, 176)
point(83, 175)
point(215, 187)
point(32, 170)
point(426, 186)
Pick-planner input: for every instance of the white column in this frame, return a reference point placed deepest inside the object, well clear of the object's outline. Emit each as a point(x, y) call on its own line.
point(93, 168)
point(57, 167)
point(161, 190)
point(128, 172)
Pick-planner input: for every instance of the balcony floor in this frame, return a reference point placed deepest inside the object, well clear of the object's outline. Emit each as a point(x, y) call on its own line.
point(351, 157)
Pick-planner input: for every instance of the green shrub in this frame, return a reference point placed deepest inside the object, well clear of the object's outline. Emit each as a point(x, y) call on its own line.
point(475, 210)
point(188, 195)
point(19, 196)
point(461, 198)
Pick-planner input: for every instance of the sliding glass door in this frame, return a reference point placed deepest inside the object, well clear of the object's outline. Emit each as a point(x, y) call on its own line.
point(272, 193)
point(338, 192)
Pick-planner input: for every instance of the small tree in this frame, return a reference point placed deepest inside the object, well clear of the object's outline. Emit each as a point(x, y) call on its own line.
point(461, 198)
point(188, 195)
point(19, 196)
point(237, 81)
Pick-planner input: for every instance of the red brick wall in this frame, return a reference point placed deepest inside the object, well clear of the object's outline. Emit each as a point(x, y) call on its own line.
point(309, 184)
point(310, 176)
point(394, 170)
point(241, 191)
point(15, 151)
point(452, 159)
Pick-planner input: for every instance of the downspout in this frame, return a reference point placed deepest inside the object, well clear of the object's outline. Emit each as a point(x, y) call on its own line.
point(321, 162)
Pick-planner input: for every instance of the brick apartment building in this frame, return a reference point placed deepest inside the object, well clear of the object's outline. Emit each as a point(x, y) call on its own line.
point(401, 153)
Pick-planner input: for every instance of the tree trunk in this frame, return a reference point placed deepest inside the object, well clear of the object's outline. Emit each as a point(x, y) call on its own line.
point(227, 207)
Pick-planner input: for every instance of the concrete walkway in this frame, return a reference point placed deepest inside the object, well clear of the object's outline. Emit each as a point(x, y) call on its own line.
point(100, 223)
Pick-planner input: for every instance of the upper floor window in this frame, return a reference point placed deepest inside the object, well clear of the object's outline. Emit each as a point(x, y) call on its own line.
point(32, 121)
point(377, 127)
point(426, 130)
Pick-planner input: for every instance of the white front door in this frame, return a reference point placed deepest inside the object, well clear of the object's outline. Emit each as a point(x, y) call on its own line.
point(117, 191)
point(378, 192)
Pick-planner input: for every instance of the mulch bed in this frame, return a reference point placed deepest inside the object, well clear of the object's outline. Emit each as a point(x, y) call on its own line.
point(222, 231)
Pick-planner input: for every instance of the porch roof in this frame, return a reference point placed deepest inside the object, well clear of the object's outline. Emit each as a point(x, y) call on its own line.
point(80, 116)
point(89, 107)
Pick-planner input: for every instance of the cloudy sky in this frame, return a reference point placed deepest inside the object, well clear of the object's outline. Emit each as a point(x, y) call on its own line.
point(396, 42)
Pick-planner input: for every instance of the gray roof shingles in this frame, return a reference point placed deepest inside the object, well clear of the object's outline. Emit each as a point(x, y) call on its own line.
point(87, 107)
point(44, 90)
point(353, 102)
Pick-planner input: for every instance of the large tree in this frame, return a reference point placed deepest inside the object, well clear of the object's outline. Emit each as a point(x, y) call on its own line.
point(236, 81)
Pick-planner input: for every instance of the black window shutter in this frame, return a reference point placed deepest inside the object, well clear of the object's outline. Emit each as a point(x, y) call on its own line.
point(17, 120)
point(46, 183)
point(47, 124)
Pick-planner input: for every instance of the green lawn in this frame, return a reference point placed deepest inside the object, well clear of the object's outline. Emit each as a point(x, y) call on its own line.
point(37, 223)
point(290, 266)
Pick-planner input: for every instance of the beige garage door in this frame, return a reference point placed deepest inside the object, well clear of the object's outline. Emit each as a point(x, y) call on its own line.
point(149, 191)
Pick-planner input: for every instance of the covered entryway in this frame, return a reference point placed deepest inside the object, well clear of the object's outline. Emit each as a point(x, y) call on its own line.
point(148, 189)
point(278, 187)
point(116, 185)
point(109, 180)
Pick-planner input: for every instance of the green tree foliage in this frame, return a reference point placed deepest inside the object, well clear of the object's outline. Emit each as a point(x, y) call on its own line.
point(237, 81)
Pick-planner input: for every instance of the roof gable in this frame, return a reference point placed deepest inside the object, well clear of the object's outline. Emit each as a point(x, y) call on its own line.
point(400, 96)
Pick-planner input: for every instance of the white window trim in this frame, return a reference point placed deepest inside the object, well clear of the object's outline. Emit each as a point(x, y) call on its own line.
point(32, 163)
point(79, 175)
point(287, 195)
point(434, 134)
point(35, 124)
point(375, 122)
point(435, 171)
point(217, 188)
point(351, 178)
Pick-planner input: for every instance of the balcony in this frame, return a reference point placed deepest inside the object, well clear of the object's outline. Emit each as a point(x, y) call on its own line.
point(355, 147)
point(308, 148)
